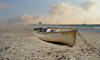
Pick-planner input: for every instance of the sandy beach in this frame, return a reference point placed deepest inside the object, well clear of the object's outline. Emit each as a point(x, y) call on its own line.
point(20, 43)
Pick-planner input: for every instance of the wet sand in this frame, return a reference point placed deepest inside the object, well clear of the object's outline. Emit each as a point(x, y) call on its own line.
point(20, 43)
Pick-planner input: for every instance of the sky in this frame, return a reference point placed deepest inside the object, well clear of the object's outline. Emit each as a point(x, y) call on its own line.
point(49, 12)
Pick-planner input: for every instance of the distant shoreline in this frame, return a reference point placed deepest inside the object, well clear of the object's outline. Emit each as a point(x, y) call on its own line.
point(70, 25)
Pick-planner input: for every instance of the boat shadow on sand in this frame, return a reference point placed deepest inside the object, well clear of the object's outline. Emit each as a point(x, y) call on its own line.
point(56, 43)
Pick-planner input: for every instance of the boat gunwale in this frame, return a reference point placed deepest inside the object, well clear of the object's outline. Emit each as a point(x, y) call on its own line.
point(72, 30)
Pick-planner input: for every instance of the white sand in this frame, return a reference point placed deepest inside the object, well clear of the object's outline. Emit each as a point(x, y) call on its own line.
point(20, 43)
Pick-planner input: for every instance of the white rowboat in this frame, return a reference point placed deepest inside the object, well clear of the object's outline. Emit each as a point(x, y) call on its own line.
point(65, 35)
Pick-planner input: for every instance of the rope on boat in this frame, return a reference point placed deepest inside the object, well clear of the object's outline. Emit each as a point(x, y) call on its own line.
point(85, 41)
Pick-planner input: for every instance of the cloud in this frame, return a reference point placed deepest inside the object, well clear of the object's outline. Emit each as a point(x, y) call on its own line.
point(3, 5)
point(92, 21)
point(80, 20)
point(97, 20)
point(23, 19)
point(86, 6)
point(55, 22)
point(63, 9)
point(53, 17)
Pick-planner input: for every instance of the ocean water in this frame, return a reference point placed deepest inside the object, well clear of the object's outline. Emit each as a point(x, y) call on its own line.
point(73, 25)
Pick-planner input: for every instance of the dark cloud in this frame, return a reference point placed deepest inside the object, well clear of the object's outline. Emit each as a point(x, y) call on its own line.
point(86, 6)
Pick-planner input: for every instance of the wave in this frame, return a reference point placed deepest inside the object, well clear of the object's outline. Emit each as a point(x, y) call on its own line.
point(97, 27)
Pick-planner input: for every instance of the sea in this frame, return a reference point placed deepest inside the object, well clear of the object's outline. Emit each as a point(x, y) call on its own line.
point(74, 25)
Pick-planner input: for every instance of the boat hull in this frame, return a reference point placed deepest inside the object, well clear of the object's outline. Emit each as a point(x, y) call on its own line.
point(65, 37)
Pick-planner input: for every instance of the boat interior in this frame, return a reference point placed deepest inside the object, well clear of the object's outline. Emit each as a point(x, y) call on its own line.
point(53, 29)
